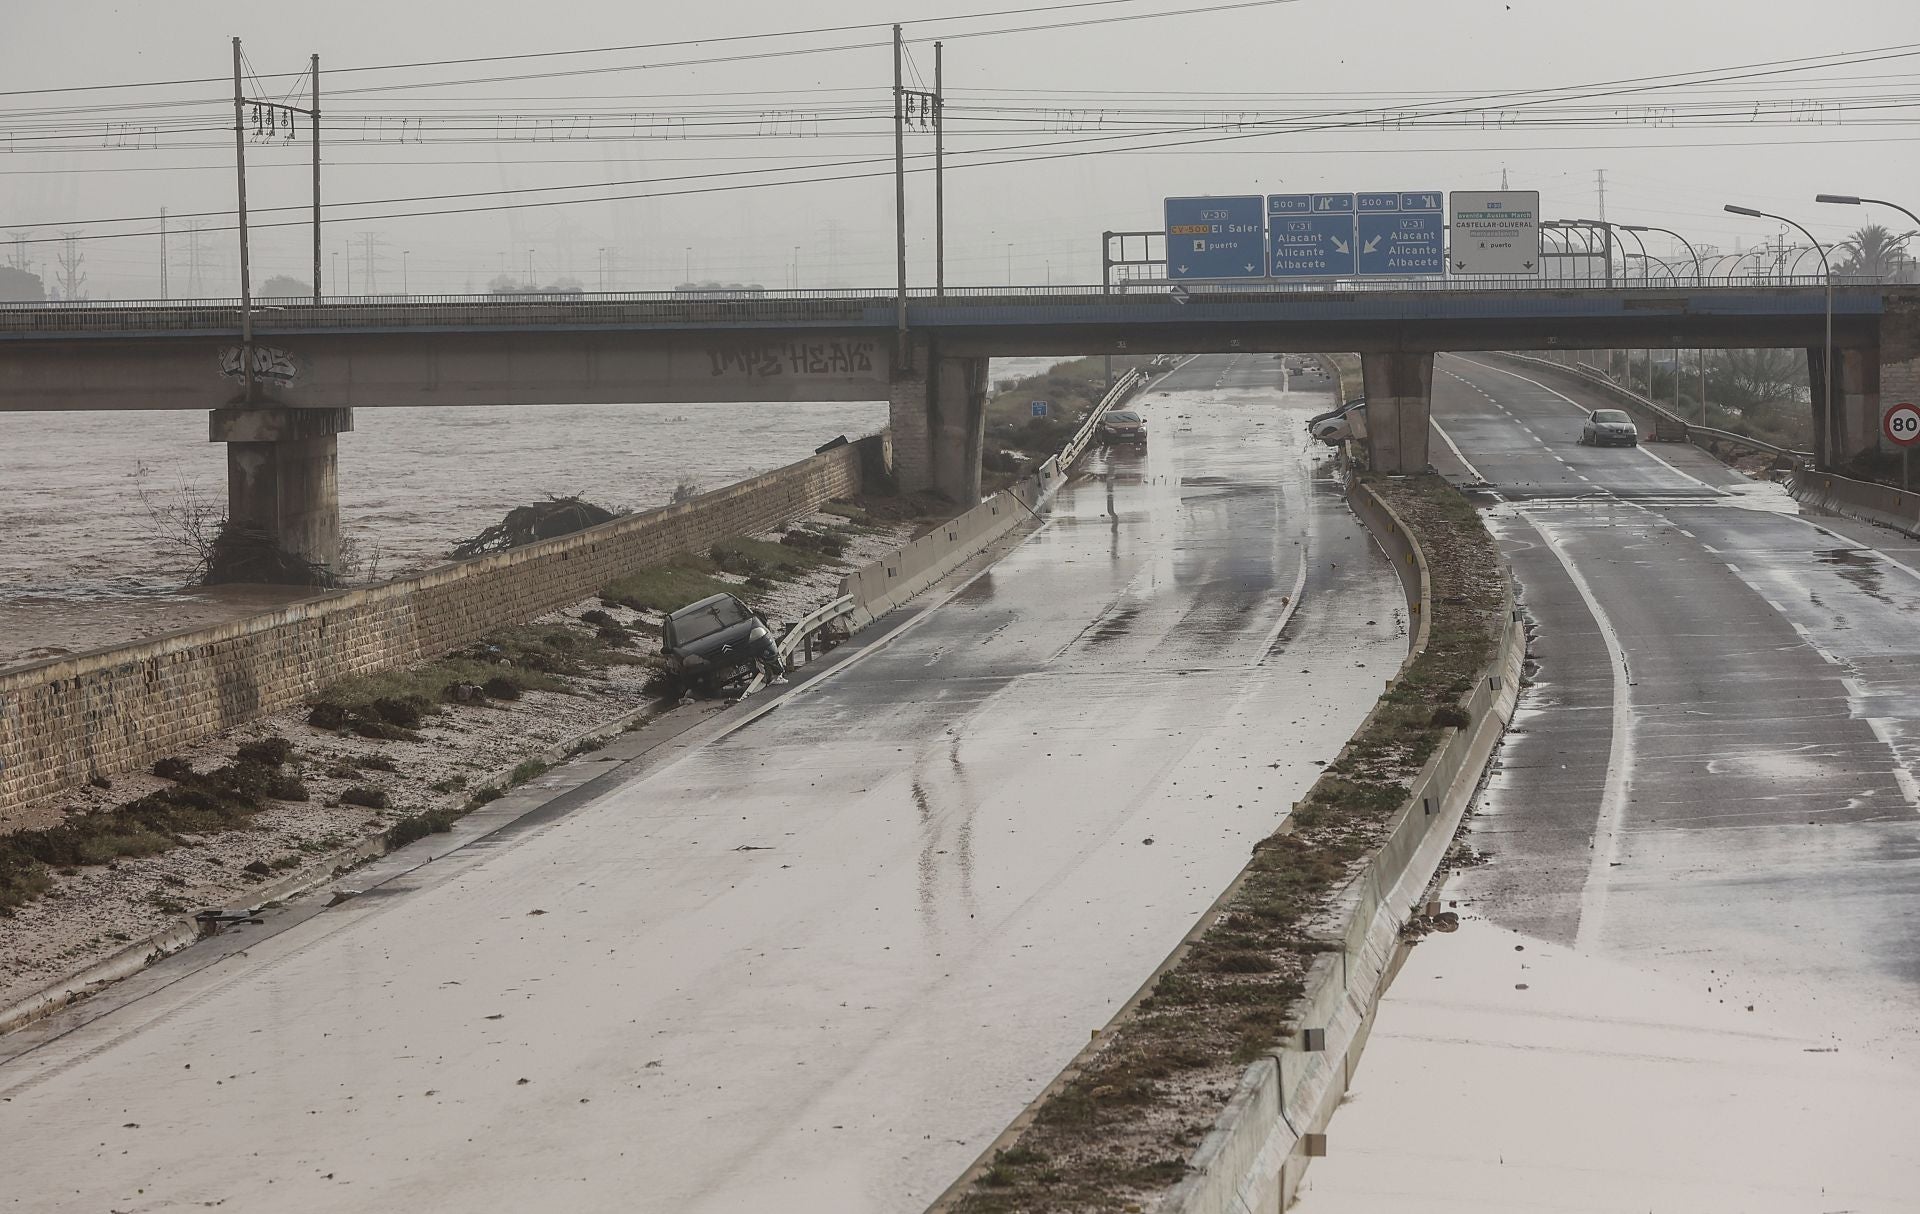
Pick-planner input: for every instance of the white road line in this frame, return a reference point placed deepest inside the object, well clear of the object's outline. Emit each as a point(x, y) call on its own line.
point(1607, 839)
point(1641, 448)
point(1457, 453)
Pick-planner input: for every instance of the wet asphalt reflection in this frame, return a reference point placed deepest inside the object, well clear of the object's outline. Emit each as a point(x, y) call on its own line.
point(1713, 775)
point(819, 962)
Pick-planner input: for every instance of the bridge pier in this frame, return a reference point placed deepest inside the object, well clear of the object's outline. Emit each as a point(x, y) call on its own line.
point(938, 410)
point(1399, 388)
point(282, 475)
point(1856, 404)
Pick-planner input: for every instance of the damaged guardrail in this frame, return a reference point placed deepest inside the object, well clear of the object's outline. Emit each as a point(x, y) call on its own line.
point(834, 618)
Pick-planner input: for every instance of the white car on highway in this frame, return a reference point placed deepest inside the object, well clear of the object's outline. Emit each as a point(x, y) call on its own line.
point(1609, 428)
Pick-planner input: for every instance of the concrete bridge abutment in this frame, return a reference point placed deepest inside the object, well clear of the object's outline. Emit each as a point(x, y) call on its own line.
point(1399, 390)
point(283, 476)
point(937, 407)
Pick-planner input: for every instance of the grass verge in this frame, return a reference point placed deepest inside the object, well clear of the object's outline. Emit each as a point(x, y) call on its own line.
point(1122, 1128)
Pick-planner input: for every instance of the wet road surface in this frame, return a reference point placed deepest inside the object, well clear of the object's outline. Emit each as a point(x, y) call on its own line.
point(819, 962)
point(1707, 803)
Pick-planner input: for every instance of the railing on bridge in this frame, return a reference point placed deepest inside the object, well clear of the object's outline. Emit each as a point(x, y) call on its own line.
point(800, 307)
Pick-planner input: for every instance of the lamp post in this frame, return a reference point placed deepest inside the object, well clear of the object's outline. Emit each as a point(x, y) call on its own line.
point(1700, 354)
point(1854, 200)
point(1827, 368)
point(405, 289)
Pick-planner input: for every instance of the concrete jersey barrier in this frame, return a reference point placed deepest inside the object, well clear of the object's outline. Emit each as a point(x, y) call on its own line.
point(885, 584)
point(1863, 500)
point(1258, 1149)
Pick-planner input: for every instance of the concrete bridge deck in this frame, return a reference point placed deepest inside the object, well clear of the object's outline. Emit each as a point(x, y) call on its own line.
point(281, 399)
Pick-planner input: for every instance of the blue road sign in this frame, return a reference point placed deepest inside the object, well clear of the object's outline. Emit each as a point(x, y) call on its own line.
point(1401, 234)
point(1039, 408)
point(1310, 235)
point(1216, 237)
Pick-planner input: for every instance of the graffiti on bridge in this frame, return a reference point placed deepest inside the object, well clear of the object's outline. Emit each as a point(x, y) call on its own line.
point(828, 357)
point(270, 365)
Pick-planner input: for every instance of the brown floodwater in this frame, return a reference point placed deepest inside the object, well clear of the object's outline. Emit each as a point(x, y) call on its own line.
point(85, 561)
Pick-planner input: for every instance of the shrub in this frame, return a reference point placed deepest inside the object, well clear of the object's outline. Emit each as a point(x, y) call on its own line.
point(271, 752)
point(287, 788)
point(366, 795)
point(502, 687)
point(1451, 714)
point(173, 767)
point(415, 827)
point(326, 715)
point(377, 763)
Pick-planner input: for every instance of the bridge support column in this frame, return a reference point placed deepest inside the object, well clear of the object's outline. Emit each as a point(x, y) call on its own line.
point(938, 410)
point(1399, 388)
point(282, 475)
point(1855, 429)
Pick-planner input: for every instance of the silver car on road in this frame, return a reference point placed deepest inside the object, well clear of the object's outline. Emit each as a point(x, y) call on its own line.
point(1609, 428)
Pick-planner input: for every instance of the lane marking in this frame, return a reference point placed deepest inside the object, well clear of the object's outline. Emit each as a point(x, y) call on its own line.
point(1455, 448)
point(1640, 447)
point(1606, 840)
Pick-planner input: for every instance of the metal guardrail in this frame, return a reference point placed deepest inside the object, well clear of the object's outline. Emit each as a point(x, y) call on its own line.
point(1077, 445)
point(1802, 457)
point(807, 307)
point(1601, 379)
point(801, 635)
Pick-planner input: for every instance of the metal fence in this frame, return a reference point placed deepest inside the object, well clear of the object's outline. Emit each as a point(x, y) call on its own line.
point(798, 307)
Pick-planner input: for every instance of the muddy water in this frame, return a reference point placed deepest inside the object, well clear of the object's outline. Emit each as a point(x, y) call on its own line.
point(84, 562)
point(81, 565)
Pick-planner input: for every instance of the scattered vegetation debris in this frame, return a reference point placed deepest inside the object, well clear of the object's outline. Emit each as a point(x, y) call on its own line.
point(243, 554)
point(545, 520)
point(225, 798)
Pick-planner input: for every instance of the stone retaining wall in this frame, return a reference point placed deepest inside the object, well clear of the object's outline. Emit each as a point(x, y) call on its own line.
point(114, 710)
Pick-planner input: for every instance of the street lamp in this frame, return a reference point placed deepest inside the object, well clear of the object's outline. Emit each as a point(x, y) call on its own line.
point(1854, 200)
point(405, 290)
point(1827, 368)
point(1702, 354)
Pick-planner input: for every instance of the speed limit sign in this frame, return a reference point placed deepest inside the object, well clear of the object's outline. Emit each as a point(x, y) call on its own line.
point(1902, 425)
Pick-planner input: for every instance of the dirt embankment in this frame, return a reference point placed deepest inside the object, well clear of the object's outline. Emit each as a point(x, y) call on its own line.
point(1121, 1127)
point(397, 754)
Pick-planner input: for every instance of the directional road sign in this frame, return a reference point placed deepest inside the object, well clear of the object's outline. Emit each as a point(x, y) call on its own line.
point(1495, 232)
point(1311, 235)
point(1039, 408)
point(1216, 237)
point(1902, 425)
point(1401, 234)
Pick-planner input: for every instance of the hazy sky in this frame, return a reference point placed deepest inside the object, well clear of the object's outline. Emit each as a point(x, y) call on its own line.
point(1671, 155)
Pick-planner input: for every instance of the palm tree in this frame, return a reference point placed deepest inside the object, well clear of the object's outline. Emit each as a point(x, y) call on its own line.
point(1873, 250)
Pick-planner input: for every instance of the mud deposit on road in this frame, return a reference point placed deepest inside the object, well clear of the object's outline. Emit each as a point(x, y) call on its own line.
point(90, 912)
point(1120, 1128)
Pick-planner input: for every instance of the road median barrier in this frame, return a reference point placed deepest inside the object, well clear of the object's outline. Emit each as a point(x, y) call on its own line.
point(1316, 918)
point(1862, 500)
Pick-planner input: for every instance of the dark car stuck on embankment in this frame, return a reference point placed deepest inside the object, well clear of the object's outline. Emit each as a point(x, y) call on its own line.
point(717, 641)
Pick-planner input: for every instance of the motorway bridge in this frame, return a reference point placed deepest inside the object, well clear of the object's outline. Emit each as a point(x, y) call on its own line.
point(283, 386)
point(814, 957)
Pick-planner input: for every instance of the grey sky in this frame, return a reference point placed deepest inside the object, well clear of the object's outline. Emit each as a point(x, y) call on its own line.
point(1039, 220)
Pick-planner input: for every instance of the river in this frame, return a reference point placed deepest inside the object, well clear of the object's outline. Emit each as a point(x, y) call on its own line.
point(87, 558)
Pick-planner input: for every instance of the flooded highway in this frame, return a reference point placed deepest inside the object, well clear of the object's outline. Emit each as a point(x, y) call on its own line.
point(817, 961)
point(1686, 978)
